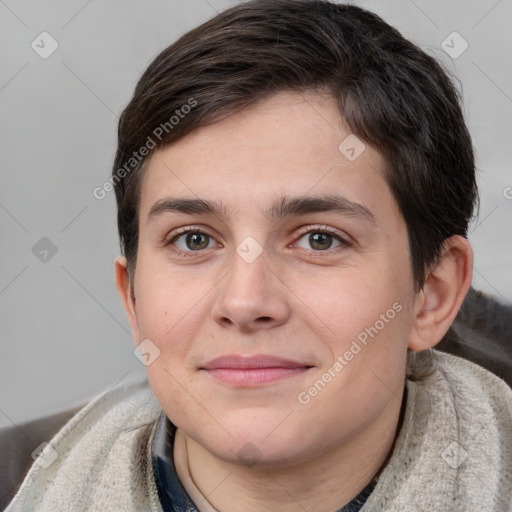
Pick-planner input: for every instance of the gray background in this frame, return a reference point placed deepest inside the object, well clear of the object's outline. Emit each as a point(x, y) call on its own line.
point(64, 334)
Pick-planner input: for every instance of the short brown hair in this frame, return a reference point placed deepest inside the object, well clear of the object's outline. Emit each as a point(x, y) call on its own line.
point(391, 94)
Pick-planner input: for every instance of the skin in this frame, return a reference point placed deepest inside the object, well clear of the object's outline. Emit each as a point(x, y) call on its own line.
point(295, 300)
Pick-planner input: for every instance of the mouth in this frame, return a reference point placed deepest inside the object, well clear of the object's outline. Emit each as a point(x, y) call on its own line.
point(253, 370)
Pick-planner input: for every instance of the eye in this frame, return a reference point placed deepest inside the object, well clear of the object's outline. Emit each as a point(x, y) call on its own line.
point(321, 240)
point(190, 240)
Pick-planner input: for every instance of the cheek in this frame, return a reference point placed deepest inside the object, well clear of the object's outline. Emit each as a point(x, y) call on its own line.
point(345, 302)
point(377, 371)
point(362, 318)
point(164, 295)
point(169, 312)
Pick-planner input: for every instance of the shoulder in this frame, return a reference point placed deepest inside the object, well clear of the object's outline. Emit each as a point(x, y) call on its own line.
point(469, 381)
point(482, 334)
point(17, 443)
point(456, 434)
point(447, 381)
point(81, 435)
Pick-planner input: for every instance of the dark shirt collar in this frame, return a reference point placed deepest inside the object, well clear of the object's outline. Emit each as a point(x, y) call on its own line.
point(174, 497)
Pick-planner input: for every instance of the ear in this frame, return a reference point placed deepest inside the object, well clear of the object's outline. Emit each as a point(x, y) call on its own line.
point(124, 288)
point(441, 297)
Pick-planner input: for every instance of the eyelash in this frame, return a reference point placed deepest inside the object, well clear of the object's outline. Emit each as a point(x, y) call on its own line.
point(315, 253)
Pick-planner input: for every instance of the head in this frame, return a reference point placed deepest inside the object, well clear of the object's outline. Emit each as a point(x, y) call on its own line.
point(273, 110)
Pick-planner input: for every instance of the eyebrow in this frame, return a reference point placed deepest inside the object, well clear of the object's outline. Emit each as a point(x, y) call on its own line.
point(282, 207)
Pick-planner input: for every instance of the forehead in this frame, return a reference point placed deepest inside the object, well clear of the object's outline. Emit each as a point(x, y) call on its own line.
point(290, 144)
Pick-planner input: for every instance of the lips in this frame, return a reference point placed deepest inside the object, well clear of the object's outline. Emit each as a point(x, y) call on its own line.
point(253, 370)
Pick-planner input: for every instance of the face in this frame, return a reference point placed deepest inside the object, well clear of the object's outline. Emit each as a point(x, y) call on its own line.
point(282, 313)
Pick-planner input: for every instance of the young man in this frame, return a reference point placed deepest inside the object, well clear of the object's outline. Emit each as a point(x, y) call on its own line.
point(294, 183)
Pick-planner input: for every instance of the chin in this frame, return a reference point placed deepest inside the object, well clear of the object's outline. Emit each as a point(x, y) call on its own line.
point(262, 455)
point(262, 442)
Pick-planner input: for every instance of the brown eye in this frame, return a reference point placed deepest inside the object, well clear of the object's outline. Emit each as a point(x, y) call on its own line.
point(319, 240)
point(196, 241)
point(189, 241)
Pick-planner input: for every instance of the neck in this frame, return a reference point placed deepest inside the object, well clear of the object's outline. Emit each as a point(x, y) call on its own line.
point(323, 484)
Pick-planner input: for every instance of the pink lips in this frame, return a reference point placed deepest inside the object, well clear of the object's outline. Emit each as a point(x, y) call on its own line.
point(252, 370)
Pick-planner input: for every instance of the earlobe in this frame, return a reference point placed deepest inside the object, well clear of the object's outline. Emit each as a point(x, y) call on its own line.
point(441, 297)
point(125, 290)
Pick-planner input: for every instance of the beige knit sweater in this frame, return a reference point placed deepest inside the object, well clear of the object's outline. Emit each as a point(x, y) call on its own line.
point(453, 452)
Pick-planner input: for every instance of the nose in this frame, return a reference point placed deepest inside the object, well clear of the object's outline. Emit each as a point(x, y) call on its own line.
point(252, 297)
